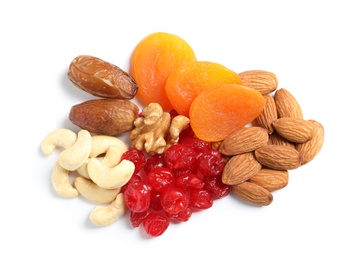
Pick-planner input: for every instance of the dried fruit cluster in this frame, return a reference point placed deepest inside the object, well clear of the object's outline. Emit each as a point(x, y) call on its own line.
point(280, 140)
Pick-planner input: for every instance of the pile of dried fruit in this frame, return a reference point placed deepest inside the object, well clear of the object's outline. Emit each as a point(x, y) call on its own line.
point(204, 132)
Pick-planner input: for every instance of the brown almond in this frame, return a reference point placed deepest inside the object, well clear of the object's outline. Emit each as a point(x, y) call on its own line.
point(253, 193)
point(101, 78)
point(278, 157)
point(287, 105)
point(240, 168)
point(105, 116)
point(244, 140)
point(270, 179)
point(268, 115)
point(276, 139)
point(263, 81)
point(311, 148)
point(295, 130)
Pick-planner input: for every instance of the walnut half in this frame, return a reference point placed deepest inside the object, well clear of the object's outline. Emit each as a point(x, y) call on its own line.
point(155, 132)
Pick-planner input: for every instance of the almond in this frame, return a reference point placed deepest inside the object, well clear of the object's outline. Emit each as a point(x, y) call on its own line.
point(311, 148)
point(278, 157)
point(263, 81)
point(253, 193)
point(244, 140)
point(268, 115)
point(270, 179)
point(287, 105)
point(240, 168)
point(293, 129)
point(275, 138)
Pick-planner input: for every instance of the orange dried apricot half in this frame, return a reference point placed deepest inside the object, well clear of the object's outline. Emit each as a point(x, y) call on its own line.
point(153, 60)
point(217, 112)
point(186, 83)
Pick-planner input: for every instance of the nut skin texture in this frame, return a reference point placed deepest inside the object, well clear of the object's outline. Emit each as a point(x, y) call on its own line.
point(270, 179)
point(240, 168)
point(101, 78)
point(295, 130)
point(111, 117)
point(253, 193)
point(311, 148)
point(287, 105)
point(278, 157)
point(263, 81)
point(268, 115)
point(244, 140)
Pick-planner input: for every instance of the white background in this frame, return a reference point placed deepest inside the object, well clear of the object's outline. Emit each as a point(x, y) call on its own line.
point(305, 43)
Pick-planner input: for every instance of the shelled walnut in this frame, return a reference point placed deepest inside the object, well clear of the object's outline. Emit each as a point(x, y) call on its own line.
point(155, 131)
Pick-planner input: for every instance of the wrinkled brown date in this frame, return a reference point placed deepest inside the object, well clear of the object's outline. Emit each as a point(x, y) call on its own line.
point(101, 78)
point(105, 116)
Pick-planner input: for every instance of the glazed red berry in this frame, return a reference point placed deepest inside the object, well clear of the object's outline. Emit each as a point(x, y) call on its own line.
point(201, 199)
point(160, 178)
point(155, 201)
point(154, 161)
point(137, 196)
point(182, 216)
point(137, 157)
point(189, 180)
point(136, 218)
point(155, 224)
point(210, 163)
point(174, 200)
point(216, 186)
point(179, 157)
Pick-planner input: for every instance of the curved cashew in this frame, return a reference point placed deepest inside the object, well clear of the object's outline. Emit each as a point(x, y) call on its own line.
point(58, 138)
point(107, 215)
point(101, 143)
point(61, 183)
point(93, 192)
point(112, 158)
point(75, 156)
point(110, 177)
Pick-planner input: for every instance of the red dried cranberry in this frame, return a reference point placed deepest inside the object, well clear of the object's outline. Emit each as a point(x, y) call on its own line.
point(136, 218)
point(201, 199)
point(210, 163)
point(137, 157)
point(154, 161)
point(179, 157)
point(189, 180)
point(160, 178)
point(155, 201)
point(198, 145)
point(182, 216)
point(134, 178)
point(216, 186)
point(155, 224)
point(174, 200)
point(137, 196)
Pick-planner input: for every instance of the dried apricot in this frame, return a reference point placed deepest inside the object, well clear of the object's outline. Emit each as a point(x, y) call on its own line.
point(217, 112)
point(186, 83)
point(153, 60)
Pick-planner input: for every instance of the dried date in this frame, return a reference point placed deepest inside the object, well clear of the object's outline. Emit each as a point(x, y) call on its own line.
point(101, 78)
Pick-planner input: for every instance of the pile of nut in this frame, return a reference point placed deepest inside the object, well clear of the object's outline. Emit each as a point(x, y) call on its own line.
point(279, 140)
point(259, 156)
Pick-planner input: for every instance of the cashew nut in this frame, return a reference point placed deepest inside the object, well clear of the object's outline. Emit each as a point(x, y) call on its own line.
point(93, 192)
point(58, 138)
point(110, 177)
point(101, 143)
point(112, 158)
point(75, 156)
point(107, 215)
point(61, 183)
